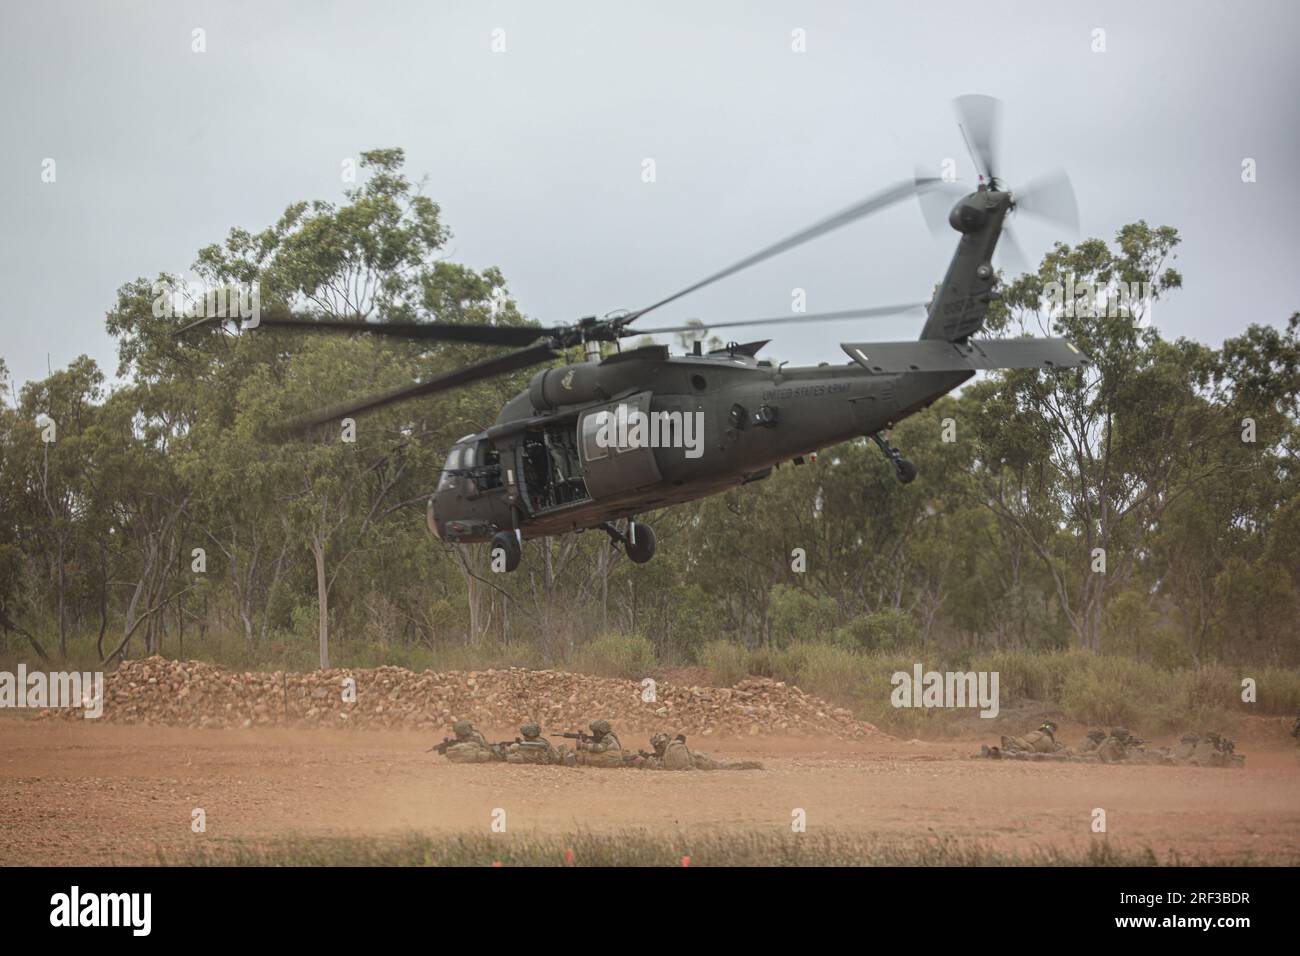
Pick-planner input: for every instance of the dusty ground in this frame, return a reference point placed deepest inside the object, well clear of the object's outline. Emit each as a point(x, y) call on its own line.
point(83, 793)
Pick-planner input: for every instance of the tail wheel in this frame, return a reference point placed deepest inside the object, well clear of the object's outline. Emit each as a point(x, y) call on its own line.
point(906, 470)
point(640, 543)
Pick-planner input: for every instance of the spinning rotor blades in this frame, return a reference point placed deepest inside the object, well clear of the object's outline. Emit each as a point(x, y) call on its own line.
point(500, 365)
point(860, 210)
point(786, 319)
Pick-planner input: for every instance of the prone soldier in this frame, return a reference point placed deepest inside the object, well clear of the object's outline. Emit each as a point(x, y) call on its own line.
point(600, 748)
point(1042, 741)
point(534, 748)
point(1115, 747)
point(673, 754)
point(467, 745)
point(1207, 750)
point(1088, 749)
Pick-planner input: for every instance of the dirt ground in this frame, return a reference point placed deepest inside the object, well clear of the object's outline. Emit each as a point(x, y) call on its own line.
point(77, 792)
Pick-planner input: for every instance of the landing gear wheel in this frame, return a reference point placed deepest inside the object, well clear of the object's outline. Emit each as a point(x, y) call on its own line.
point(509, 546)
point(640, 543)
point(906, 470)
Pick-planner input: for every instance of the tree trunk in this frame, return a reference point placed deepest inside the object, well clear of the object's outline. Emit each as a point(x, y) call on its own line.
point(63, 626)
point(322, 600)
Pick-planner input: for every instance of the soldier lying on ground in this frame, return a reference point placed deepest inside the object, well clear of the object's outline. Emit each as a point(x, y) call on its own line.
point(1117, 746)
point(1042, 741)
point(1091, 743)
point(599, 749)
point(467, 746)
point(1207, 750)
point(673, 754)
point(534, 748)
point(1120, 746)
point(1043, 745)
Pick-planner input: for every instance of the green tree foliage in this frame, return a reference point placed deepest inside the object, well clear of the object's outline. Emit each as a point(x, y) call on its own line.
point(166, 517)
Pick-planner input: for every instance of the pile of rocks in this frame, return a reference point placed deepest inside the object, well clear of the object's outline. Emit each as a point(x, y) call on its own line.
point(195, 694)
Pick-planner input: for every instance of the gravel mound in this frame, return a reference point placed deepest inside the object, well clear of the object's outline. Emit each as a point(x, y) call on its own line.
point(195, 694)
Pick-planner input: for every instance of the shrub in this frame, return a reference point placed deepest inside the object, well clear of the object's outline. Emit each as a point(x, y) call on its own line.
point(798, 615)
point(883, 630)
point(614, 654)
point(726, 662)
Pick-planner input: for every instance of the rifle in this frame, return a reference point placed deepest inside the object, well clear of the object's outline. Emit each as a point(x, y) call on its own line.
point(442, 747)
point(500, 748)
point(639, 755)
point(579, 736)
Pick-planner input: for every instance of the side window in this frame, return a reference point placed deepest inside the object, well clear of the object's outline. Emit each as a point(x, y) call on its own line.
point(592, 449)
point(632, 437)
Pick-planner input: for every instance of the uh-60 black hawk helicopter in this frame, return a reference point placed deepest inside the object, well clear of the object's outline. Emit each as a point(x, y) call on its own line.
point(577, 448)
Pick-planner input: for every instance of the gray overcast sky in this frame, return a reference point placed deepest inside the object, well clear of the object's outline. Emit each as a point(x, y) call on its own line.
point(535, 154)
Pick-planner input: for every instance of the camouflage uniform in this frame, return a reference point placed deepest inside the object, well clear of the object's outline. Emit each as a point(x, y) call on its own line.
point(1115, 747)
point(534, 748)
point(470, 746)
point(1138, 753)
point(1208, 750)
point(677, 756)
point(1088, 749)
point(673, 754)
point(603, 751)
point(1041, 741)
point(655, 759)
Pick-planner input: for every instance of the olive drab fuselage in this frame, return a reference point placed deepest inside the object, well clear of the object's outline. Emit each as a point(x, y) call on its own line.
point(750, 414)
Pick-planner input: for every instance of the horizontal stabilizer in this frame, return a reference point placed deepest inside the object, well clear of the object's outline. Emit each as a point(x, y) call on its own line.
point(934, 355)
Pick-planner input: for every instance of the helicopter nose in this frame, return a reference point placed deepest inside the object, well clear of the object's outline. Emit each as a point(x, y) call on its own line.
point(431, 518)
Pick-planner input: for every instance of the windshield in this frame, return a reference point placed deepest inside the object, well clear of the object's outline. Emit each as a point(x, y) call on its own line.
point(449, 469)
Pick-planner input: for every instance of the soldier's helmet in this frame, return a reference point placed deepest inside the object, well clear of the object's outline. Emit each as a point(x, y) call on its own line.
point(462, 728)
point(1097, 736)
point(659, 741)
point(1048, 727)
point(1213, 738)
point(1120, 734)
point(600, 727)
point(530, 731)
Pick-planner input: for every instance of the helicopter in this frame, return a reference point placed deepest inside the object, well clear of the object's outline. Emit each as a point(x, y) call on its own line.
point(593, 444)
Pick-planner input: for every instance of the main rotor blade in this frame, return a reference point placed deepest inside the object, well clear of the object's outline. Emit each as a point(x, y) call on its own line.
point(811, 317)
point(490, 368)
point(859, 210)
point(1050, 197)
point(1012, 255)
point(516, 335)
point(937, 203)
point(980, 120)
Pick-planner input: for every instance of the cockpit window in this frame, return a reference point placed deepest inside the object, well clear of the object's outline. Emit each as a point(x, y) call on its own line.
point(448, 470)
